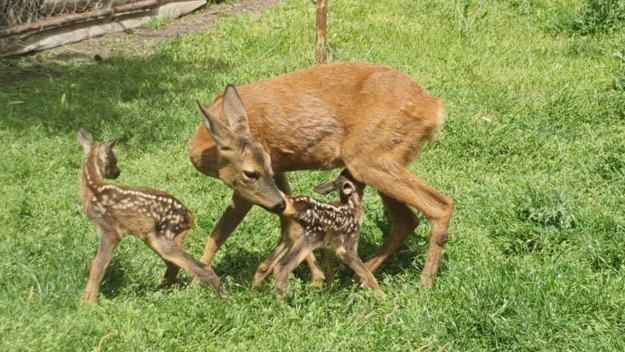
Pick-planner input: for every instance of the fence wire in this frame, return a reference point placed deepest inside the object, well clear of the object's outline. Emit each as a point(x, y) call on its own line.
point(16, 12)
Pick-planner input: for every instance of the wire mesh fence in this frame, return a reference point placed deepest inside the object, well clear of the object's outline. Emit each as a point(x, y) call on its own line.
point(17, 12)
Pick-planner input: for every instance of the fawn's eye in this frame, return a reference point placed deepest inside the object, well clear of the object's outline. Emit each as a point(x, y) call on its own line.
point(252, 175)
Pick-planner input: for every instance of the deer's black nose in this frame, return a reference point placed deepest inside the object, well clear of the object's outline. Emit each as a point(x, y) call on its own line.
point(279, 208)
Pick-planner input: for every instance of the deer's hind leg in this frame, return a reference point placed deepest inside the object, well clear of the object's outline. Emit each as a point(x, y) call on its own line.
point(108, 241)
point(171, 274)
point(350, 256)
point(327, 264)
point(404, 221)
point(394, 180)
point(172, 251)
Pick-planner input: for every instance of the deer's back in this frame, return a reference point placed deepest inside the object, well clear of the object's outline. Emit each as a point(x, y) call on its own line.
point(306, 119)
point(138, 211)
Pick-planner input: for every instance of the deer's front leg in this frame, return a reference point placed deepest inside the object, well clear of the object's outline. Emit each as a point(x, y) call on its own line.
point(267, 266)
point(232, 217)
point(316, 274)
point(292, 258)
point(108, 242)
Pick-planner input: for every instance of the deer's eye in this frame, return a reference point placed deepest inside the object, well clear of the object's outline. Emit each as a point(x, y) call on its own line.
point(252, 175)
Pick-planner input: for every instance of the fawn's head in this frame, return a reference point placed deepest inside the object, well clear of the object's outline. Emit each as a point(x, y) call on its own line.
point(344, 184)
point(101, 154)
point(242, 162)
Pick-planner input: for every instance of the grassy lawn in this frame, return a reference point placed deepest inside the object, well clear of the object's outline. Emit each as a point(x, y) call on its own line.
point(533, 152)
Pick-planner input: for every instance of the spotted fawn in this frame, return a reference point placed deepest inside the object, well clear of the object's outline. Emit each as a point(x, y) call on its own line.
point(315, 225)
point(157, 218)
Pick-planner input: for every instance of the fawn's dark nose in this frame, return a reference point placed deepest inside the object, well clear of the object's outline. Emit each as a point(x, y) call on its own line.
point(278, 208)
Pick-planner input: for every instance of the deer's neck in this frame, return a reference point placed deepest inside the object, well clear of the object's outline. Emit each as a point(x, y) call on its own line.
point(92, 178)
point(354, 201)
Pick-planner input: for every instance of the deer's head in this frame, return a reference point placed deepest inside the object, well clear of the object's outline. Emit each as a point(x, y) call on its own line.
point(242, 162)
point(344, 184)
point(100, 154)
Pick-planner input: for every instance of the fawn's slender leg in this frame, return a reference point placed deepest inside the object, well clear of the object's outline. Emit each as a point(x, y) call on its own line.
point(287, 264)
point(108, 242)
point(327, 264)
point(232, 217)
point(351, 258)
point(268, 265)
point(170, 275)
point(172, 269)
point(397, 182)
point(173, 252)
point(316, 274)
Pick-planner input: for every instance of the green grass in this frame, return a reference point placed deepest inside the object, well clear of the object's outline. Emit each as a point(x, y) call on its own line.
point(533, 152)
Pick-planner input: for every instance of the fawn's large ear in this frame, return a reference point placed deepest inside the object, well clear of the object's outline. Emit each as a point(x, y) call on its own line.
point(85, 140)
point(217, 129)
point(325, 188)
point(347, 188)
point(110, 144)
point(290, 210)
point(234, 110)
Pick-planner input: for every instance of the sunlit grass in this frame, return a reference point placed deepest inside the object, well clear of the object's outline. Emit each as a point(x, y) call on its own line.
point(533, 152)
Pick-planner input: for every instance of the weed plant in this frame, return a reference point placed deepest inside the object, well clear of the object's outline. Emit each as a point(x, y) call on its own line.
point(598, 16)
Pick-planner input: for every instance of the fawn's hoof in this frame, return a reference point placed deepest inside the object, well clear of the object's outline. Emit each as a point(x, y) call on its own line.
point(319, 283)
point(88, 298)
point(427, 281)
point(318, 278)
point(194, 282)
point(380, 293)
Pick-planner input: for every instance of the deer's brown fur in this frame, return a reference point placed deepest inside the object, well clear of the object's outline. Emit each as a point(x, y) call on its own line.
point(159, 219)
point(371, 119)
point(316, 225)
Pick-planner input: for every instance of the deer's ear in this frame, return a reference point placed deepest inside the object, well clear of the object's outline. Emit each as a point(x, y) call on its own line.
point(290, 210)
point(85, 140)
point(347, 188)
point(110, 144)
point(234, 110)
point(217, 129)
point(325, 188)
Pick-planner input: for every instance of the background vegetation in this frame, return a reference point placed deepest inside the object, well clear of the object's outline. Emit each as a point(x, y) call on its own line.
point(533, 152)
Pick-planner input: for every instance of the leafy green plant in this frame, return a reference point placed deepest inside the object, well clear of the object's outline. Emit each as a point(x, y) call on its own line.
point(157, 23)
point(600, 16)
point(546, 209)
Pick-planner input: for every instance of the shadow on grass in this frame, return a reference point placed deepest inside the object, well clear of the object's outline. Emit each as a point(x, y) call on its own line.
point(63, 97)
point(115, 281)
point(240, 265)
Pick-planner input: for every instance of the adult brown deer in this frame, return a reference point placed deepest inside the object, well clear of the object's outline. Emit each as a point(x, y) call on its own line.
point(371, 119)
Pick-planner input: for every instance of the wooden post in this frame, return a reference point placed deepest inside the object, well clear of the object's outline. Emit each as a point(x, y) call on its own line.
point(322, 28)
